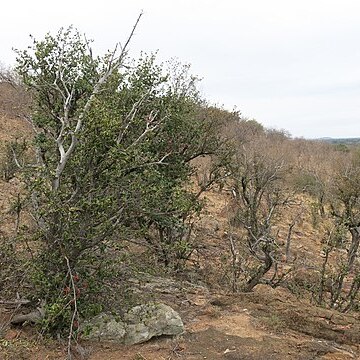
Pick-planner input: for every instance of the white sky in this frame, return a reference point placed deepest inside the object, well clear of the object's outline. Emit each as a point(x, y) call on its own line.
point(290, 64)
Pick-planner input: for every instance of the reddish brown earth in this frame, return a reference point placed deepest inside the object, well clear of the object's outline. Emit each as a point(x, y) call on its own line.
point(266, 324)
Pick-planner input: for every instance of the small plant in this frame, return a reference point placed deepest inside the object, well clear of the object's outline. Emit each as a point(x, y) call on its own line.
point(138, 356)
point(14, 158)
point(274, 322)
point(15, 349)
point(14, 265)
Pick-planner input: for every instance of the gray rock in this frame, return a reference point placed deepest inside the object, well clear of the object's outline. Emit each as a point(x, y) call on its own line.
point(104, 327)
point(140, 324)
point(149, 320)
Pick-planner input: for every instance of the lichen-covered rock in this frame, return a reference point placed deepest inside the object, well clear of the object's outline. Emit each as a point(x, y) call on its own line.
point(104, 327)
point(140, 324)
point(155, 319)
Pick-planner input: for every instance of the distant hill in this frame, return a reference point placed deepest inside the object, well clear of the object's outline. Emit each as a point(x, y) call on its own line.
point(345, 141)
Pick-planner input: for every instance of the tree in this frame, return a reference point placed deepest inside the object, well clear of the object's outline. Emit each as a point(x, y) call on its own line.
point(65, 82)
point(259, 193)
point(345, 209)
point(114, 143)
point(346, 203)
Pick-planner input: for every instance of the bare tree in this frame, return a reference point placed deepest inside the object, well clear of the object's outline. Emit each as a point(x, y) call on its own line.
point(292, 224)
point(259, 193)
point(340, 281)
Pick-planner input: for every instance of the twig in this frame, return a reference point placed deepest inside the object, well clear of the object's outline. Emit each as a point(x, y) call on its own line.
point(4, 326)
point(290, 230)
point(15, 302)
point(75, 312)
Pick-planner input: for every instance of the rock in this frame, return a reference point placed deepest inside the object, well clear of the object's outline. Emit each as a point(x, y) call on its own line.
point(140, 324)
point(104, 327)
point(159, 285)
point(149, 320)
point(33, 317)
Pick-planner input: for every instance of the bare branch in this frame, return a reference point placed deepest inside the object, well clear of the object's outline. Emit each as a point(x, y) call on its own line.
point(75, 312)
point(130, 117)
point(113, 65)
point(150, 127)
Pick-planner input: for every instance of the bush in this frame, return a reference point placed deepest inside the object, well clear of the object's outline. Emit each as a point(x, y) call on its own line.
point(115, 146)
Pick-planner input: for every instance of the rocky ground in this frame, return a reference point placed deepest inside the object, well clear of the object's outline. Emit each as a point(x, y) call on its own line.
point(265, 324)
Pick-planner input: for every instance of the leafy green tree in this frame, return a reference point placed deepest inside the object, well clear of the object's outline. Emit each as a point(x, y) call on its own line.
point(115, 140)
point(65, 82)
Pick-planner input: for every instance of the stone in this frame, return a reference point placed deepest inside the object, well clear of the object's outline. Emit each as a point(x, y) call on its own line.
point(104, 327)
point(140, 324)
point(150, 320)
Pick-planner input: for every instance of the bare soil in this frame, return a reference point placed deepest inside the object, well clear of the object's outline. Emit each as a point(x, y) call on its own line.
point(260, 325)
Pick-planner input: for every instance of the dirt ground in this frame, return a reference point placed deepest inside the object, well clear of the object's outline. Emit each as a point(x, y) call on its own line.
point(266, 324)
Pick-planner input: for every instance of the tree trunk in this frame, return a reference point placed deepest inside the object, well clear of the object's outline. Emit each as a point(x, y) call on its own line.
point(262, 270)
point(288, 241)
point(355, 241)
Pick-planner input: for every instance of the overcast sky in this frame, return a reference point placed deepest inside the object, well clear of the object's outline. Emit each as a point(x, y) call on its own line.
point(290, 64)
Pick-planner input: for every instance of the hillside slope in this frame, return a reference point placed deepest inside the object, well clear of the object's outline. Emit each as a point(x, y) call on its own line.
point(264, 324)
